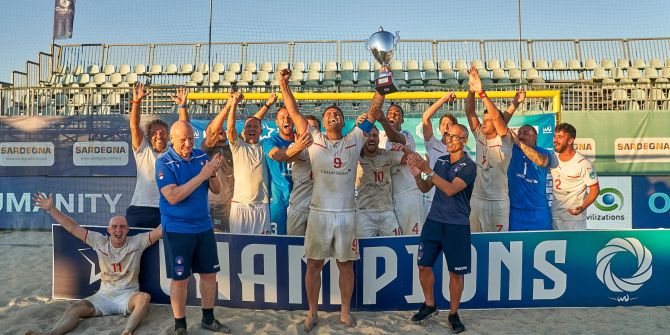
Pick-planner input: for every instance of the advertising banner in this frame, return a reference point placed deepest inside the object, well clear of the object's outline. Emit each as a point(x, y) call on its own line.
point(509, 270)
point(629, 143)
point(651, 202)
point(613, 209)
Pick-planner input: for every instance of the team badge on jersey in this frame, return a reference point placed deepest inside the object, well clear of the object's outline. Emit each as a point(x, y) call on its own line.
point(160, 175)
point(179, 260)
point(179, 270)
point(592, 174)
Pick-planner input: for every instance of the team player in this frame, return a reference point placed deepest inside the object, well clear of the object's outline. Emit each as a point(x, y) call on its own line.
point(331, 229)
point(407, 199)
point(147, 146)
point(490, 198)
point(447, 228)
point(436, 148)
point(374, 202)
point(572, 174)
point(249, 210)
point(119, 261)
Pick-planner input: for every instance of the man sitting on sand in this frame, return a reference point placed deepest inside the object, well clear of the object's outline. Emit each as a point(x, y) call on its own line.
point(119, 260)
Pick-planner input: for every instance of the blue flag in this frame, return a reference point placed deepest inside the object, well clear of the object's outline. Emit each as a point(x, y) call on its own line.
point(63, 19)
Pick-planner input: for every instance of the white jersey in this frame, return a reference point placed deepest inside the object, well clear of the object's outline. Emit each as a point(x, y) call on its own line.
point(373, 181)
point(493, 157)
point(570, 180)
point(402, 179)
point(119, 267)
point(146, 190)
point(334, 166)
point(301, 172)
point(250, 173)
point(435, 149)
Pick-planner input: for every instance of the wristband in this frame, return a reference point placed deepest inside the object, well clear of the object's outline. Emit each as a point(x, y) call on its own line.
point(267, 106)
point(482, 95)
point(183, 106)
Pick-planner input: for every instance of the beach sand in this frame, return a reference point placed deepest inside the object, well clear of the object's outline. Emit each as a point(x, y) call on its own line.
point(25, 303)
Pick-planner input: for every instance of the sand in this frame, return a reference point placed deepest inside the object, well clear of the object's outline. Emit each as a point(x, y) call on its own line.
point(25, 303)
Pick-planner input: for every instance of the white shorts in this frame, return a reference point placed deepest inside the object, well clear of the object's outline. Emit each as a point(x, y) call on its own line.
point(249, 218)
point(296, 221)
point(489, 215)
point(111, 303)
point(331, 234)
point(371, 224)
point(410, 213)
point(559, 224)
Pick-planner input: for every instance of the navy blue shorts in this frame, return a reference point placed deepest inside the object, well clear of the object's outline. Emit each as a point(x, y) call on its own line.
point(190, 253)
point(143, 217)
point(452, 239)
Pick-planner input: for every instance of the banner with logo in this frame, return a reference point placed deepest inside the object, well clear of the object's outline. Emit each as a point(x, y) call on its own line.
point(63, 19)
point(651, 202)
point(628, 143)
point(613, 209)
point(508, 270)
point(89, 200)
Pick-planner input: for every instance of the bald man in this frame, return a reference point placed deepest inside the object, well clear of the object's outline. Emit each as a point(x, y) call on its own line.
point(119, 261)
point(184, 176)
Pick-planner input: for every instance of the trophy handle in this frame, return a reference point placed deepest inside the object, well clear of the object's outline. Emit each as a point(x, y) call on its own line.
point(396, 38)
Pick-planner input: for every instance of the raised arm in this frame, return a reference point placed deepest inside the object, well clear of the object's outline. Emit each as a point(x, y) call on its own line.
point(537, 158)
point(266, 107)
point(375, 112)
point(215, 125)
point(136, 134)
point(180, 99)
point(430, 112)
point(476, 86)
point(46, 203)
point(470, 113)
point(156, 234)
point(519, 97)
point(231, 130)
point(289, 101)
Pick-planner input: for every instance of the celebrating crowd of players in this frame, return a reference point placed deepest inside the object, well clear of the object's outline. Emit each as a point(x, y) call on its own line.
point(332, 188)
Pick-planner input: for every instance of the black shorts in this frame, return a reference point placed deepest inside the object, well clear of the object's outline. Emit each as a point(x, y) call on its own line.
point(452, 239)
point(143, 217)
point(190, 253)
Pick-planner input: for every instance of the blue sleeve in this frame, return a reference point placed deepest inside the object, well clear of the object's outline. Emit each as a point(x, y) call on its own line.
point(468, 173)
point(164, 176)
point(268, 145)
point(366, 126)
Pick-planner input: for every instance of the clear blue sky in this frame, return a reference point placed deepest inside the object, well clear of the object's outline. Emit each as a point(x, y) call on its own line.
point(26, 25)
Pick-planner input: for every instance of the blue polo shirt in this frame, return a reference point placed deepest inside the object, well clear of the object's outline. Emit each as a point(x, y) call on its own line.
point(191, 215)
point(453, 209)
point(281, 182)
point(527, 181)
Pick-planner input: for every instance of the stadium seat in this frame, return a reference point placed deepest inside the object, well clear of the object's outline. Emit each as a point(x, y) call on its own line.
point(412, 65)
point(218, 68)
point(330, 66)
point(478, 64)
point(124, 69)
point(109, 69)
point(430, 74)
point(493, 64)
point(299, 66)
point(617, 73)
point(250, 67)
point(83, 79)
point(532, 74)
point(650, 73)
point(281, 65)
point(461, 65)
point(483, 74)
point(262, 78)
point(509, 64)
point(140, 69)
point(266, 66)
point(347, 65)
point(93, 69)
point(202, 68)
point(313, 78)
point(665, 72)
point(229, 78)
point(428, 65)
point(78, 70)
point(498, 74)
point(515, 75)
point(655, 63)
point(607, 63)
point(599, 74)
point(155, 69)
point(214, 78)
point(558, 65)
point(186, 69)
point(639, 63)
point(575, 65)
point(395, 65)
point(667, 62)
point(246, 78)
point(78, 102)
point(363, 65)
point(346, 76)
point(99, 79)
point(197, 78)
point(444, 65)
point(622, 63)
point(296, 76)
point(67, 80)
point(235, 67)
point(447, 74)
point(131, 78)
point(170, 69)
point(590, 64)
point(314, 66)
point(633, 73)
point(451, 82)
point(526, 64)
point(330, 76)
point(504, 81)
point(542, 64)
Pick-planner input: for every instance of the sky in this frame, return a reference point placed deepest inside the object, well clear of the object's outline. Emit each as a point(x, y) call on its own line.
point(26, 25)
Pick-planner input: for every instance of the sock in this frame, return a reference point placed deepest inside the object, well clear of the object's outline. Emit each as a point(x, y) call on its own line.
point(180, 323)
point(208, 315)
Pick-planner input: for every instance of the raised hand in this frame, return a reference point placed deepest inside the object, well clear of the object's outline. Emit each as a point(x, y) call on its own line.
point(520, 96)
point(515, 137)
point(272, 99)
point(397, 147)
point(42, 201)
point(415, 160)
point(361, 118)
point(180, 97)
point(238, 97)
point(303, 141)
point(449, 97)
point(139, 92)
point(474, 81)
point(283, 76)
point(211, 167)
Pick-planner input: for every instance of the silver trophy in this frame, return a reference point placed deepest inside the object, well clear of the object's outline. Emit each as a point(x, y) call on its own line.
point(382, 44)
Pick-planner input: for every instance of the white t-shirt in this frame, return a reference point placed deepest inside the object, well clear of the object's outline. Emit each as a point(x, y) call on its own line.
point(334, 165)
point(146, 191)
point(569, 182)
point(301, 172)
point(402, 179)
point(373, 181)
point(250, 173)
point(493, 157)
point(435, 149)
point(119, 267)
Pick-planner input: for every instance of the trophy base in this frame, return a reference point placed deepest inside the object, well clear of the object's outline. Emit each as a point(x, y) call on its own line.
point(386, 85)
